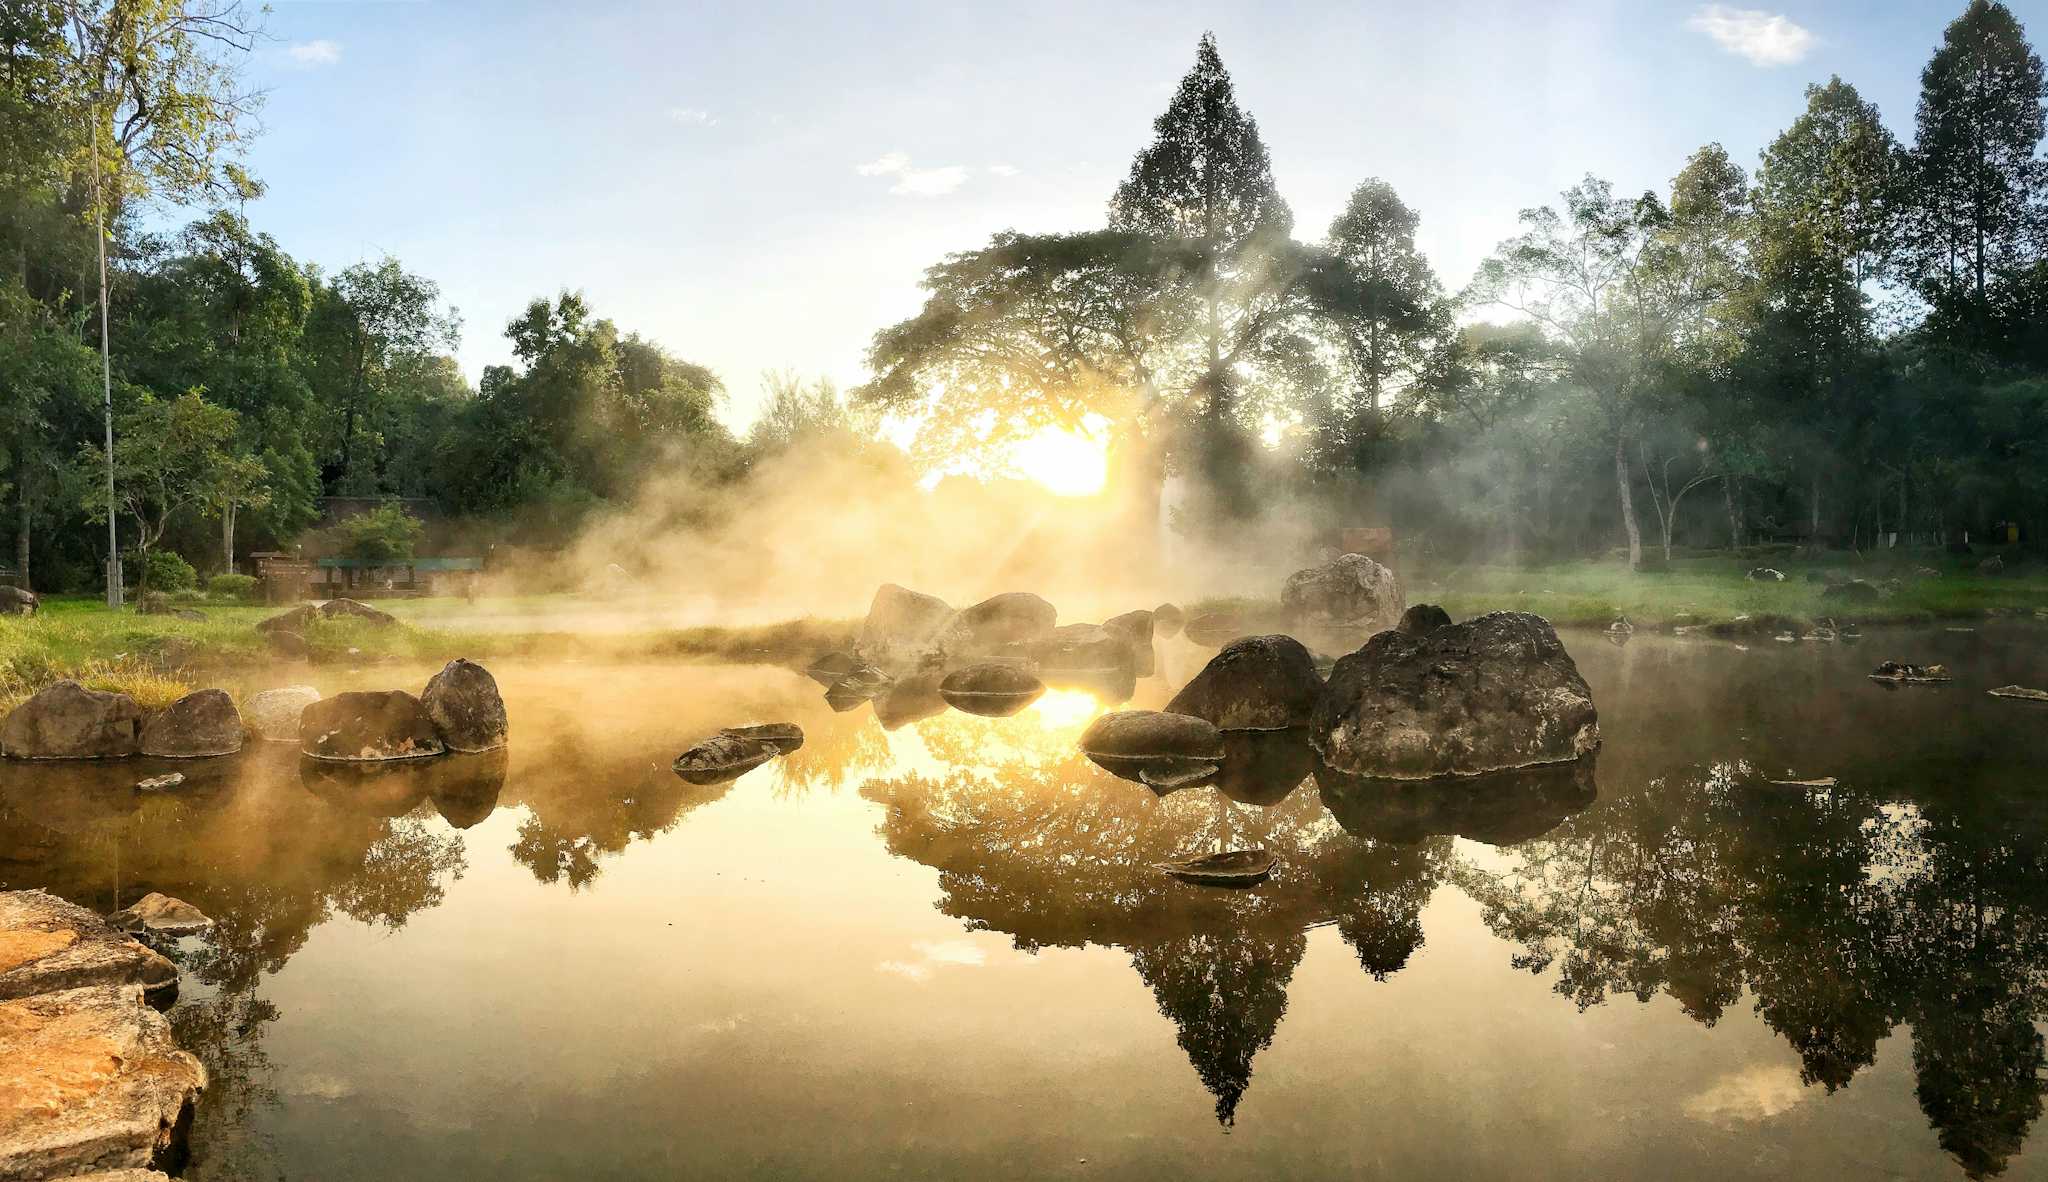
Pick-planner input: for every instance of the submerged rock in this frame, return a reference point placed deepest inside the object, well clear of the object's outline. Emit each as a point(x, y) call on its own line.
point(1126, 742)
point(69, 721)
point(993, 689)
point(903, 629)
point(157, 914)
point(200, 724)
point(724, 756)
point(2021, 693)
point(1423, 618)
point(1488, 695)
point(273, 714)
point(464, 705)
point(17, 601)
point(828, 669)
point(1167, 621)
point(1014, 617)
point(1254, 683)
point(367, 727)
point(1899, 671)
point(1353, 591)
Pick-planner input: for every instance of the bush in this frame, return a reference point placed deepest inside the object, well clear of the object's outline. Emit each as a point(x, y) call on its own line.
point(232, 586)
point(385, 534)
point(163, 570)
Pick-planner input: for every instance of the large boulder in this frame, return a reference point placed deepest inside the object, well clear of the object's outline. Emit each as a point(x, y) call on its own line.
point(1135, 629)
point(1165, 746)
point(1353, 592)
point(1423, 618)
point(1254, 683)
point(1488, 695)
point(463, 702)
point(1014, 617)
point(903, 629)
point(16, 601)
point(69, 721)
point(1166, 621)
point(202, 723)
point(993, 689)
point(273, 714)
point(368, 726)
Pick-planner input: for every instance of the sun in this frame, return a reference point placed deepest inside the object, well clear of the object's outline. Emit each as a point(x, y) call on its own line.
point(1068, 463)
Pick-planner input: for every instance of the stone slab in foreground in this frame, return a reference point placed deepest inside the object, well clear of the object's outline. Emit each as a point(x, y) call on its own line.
point(47, 944)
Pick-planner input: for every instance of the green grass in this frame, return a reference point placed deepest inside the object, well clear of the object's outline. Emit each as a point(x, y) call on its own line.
point(1713, 589)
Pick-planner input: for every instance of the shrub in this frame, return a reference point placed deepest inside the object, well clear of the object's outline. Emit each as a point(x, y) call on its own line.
point(232, 586)
point(164, 570)
point(385, 534)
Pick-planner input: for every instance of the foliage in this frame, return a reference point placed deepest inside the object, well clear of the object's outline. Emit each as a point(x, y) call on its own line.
point(384, 534)
point(164, 570)
point(232, 586)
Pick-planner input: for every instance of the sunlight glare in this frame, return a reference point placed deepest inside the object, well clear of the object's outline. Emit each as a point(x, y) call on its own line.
point(1068, 463)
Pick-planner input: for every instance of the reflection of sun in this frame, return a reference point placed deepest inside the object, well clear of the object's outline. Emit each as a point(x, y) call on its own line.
point(1062, 709)
point(1070, 463)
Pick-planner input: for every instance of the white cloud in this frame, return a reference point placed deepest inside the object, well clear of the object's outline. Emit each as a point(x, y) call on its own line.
point(1765, 38)
point(1004, 169)
point(884, 165)
point(692, 117)
point(915, 182)
point(311, 55)
point(959, 954)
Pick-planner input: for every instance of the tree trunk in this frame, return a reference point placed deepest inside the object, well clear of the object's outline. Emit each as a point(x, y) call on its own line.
point(1628, 507)
point(21, 539)
point(227, 538)
point(1813, 539)
point(1734, 503)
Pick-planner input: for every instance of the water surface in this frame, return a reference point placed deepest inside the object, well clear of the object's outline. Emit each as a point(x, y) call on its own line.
point(937, 948)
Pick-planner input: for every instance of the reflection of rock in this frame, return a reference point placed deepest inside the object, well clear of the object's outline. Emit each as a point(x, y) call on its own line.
point(1125, 742)
point(724, 756)
point(1423, 618)
point(273, 714)
point(465, 787)
point(828, 669)
point(198, 725)
point(1499, 809)
point(1082, 648)
point(368, 726)
point(370, 789)
point(1490, 694)
point(913, 699)
point(69, 721)
point(1352, 590)
point(1254, 683)
point(1015, 617)
point(1263, 767)
point(993, 689)
point(855, 687)
point(159, 915)
point(903, 628)
point(463, 702)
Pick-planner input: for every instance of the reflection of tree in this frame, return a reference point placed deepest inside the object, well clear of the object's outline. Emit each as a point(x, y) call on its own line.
point(1843, 913)
point(1032, 840)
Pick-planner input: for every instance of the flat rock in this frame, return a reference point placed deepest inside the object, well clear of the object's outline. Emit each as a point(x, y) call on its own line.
point(47, 944)
point(1254, 683)
point(202, 723)
point(69, 721)
point(368, 726)
point(273, 714)
point(92, 1081)
point(464, 705)
point(1491, 694)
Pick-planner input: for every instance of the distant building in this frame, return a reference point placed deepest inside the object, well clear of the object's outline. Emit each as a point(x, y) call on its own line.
point(359, 578)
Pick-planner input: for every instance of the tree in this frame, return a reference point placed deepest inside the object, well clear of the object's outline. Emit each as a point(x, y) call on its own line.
point(155, 81)
point(373, 327)
point(1977, 184)
point(168, 456)
point(384, 534)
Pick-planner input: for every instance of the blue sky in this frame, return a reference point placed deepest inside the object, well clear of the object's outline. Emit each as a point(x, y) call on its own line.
point(758, 186)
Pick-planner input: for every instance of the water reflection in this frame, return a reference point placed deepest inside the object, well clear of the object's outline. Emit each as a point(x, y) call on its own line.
point(1911, 894)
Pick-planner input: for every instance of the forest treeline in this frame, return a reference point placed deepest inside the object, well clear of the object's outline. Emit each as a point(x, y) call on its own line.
point(1841, 343)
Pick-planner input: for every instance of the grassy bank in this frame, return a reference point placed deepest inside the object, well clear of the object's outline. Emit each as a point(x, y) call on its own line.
point(158, 658)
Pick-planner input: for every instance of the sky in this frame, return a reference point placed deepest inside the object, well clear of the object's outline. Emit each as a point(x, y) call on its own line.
point(759, 186)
